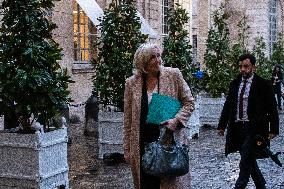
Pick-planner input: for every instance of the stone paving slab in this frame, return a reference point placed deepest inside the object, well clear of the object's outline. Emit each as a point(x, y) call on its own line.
point(210, 169)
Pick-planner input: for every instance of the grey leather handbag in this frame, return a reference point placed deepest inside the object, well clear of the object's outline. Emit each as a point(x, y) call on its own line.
point(165, 161)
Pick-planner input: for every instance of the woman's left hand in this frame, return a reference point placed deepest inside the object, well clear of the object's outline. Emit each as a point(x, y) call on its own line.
point(171, 124)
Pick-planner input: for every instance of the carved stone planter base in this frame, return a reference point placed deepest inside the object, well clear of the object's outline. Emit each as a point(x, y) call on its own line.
point(34, 161)
point(110, 133)
point(210, 110)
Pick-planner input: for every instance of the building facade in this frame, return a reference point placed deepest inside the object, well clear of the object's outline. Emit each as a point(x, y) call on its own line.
point(264, 17)
point(77, 34)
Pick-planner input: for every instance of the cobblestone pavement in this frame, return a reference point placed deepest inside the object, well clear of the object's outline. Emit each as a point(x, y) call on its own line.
point(210, 169)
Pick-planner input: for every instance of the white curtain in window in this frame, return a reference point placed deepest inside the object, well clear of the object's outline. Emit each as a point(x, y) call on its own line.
point(94, 11)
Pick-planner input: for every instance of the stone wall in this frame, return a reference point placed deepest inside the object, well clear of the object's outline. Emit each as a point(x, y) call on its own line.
point(280, 15)
point(205, 10)
point(63, 34)
point(236, 11)
point(258, 20)
point(82, 88)
point(193, 17)
point(151, 10)
point(255, 10)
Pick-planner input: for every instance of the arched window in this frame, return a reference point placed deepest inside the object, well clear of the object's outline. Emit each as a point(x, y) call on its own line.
point(272, 23)
point(85, 36)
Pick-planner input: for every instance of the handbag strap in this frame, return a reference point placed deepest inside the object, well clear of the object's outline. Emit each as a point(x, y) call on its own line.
point(144, 98)
point(158, 82)
point(162, 135)
point(144, 101)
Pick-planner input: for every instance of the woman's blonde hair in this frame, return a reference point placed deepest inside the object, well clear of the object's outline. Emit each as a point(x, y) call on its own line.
point(143, 55)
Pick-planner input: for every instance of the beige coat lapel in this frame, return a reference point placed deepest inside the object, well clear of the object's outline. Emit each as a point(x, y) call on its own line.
point(137, 93)
point(166, 84)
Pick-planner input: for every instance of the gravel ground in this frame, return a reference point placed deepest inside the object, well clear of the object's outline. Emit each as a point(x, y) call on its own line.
point(210, 169)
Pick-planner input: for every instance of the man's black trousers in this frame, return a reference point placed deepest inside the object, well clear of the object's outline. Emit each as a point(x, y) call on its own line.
point(248, 164)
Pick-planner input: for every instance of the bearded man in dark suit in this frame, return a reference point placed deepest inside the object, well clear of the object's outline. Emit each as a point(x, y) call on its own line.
point(250, 110)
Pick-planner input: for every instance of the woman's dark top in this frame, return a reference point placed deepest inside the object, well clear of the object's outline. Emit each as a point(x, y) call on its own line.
point(148, 133)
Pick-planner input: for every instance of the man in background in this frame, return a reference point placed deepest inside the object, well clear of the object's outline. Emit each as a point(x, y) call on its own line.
point(250, 110)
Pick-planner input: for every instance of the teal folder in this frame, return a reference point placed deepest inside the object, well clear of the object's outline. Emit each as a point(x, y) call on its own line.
point(162, 108)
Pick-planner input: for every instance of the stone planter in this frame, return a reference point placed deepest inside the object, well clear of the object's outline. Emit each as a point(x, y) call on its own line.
point(210, 110)
point(110, 133)
point(194, 124)
point(34, 161)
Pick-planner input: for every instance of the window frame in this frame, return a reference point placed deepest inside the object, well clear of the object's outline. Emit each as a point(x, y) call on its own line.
point(86, 50)
point(272, 16)
point(165, 26)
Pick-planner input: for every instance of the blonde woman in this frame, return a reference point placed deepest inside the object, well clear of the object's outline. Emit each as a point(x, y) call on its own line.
point(152, 77)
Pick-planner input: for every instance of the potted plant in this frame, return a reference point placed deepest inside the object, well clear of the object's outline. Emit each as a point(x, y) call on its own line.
point(218, 69)
point(33, 87)
point(120, 37)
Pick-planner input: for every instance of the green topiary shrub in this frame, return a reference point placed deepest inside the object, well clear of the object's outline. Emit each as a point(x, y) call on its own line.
point(277, 56)
point(217, 72)
point(177, 49)
point(120, 37)
point(32, 84)
point(263, 65)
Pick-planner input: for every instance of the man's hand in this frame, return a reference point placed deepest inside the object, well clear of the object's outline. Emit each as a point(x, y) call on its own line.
point(271, 136)
point(171, 124)
point(221, 132)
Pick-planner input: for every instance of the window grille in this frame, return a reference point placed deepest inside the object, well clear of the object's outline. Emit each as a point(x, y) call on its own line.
point(85, 37)
point(165, 26)
point(272, 24)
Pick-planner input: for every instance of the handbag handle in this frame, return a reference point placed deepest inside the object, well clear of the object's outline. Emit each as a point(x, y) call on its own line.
point(162, 135)
point(159, 82)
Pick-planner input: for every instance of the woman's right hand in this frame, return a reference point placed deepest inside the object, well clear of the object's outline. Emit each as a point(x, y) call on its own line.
point(171, 124)
point(221, 132)
point(127, 157)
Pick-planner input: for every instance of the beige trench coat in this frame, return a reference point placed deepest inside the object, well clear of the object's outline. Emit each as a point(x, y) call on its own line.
point(171, 84)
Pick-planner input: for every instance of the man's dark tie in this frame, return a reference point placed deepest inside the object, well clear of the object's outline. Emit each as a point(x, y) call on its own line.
point(241, 100)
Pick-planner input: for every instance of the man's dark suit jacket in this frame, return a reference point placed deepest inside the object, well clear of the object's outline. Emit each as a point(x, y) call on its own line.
point(262, 112)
